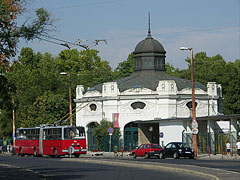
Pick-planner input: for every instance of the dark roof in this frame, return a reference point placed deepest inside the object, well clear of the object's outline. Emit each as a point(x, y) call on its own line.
point(149, 45)
point(149, 79)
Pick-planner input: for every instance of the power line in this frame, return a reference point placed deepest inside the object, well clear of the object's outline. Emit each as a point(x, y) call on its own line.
point(66, 43)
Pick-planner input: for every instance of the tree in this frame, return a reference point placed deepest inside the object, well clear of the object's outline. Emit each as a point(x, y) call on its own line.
point(215, 69)
point(36, 83)
point(101, 130)
point(10, 32)
point(39, 91)
point(86, 66)
point(125, 68)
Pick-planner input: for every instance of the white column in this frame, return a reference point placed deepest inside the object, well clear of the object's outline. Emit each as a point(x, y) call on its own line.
point(210, 128)
point(233, 131)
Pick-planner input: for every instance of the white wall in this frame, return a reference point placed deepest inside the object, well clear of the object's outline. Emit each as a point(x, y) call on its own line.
point(172, 131)
point(166, 102)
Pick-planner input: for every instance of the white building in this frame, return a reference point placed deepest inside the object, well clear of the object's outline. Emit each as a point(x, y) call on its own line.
point(150, 103)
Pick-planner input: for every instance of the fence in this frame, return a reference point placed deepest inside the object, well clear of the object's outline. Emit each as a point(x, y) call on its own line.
point(213, 143)
point(116, 143)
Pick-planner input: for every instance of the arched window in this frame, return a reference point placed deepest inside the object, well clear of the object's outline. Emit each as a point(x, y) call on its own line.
point(93, 107)
point(138, 105)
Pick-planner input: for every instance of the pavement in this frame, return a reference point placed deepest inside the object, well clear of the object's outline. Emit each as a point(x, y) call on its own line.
point(208, 173)
point(128, 155)
point(195, 170)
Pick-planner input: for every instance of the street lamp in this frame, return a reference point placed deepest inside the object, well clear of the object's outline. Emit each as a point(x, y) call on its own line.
point(70, 95)
point(194, 121)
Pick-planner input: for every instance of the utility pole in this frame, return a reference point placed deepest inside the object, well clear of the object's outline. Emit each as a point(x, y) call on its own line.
point(70, 98)
point(194, 121)
point(13, 118)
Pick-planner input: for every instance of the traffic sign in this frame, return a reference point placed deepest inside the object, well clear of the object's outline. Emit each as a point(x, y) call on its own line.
point(71, 150)
point(195, 130)
point(110, 130)
point(161, 134)
point(194, 124)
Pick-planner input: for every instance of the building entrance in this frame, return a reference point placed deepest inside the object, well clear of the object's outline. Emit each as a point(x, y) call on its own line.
point(130, 136)
point(91, 139)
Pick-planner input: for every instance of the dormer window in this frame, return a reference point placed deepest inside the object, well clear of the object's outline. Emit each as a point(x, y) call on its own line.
point(93, 107)
point(138, 105)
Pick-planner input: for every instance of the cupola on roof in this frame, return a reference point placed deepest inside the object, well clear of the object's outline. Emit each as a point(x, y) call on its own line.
point(149, 44)
point(149, 68)
point(149, 54)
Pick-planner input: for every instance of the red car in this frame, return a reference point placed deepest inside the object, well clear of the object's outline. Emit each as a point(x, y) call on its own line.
point(147, 150)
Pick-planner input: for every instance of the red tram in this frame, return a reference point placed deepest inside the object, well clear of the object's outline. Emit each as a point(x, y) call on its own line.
point(51, 140)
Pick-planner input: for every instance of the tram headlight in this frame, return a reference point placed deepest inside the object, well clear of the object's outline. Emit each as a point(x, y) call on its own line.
point(78, 145)
point(73, 145)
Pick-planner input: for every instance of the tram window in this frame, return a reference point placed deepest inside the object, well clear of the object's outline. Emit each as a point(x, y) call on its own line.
point(80, 132)
point(53, 134)
point(34, 134)
point(20, 134)
point(67, 133)
point(57, 133)
point(74, 132)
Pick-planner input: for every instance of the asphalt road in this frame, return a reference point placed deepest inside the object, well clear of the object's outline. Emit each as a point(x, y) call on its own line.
point(12, 167)
point(228, 165)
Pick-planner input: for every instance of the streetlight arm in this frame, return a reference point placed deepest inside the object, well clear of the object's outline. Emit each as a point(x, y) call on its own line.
point(185, 48)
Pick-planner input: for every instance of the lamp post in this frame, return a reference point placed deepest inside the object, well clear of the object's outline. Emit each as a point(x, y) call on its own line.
point(14, 128)
point(70, 95)
point(194, 121)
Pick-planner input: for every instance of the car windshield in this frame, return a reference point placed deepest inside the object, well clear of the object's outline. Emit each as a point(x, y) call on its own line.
point(183, 145)
point(155, 146)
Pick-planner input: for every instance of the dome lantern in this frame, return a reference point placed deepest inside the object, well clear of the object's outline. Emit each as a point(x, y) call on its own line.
point(149, 54)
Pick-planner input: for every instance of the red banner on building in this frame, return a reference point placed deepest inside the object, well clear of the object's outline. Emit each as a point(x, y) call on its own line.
point(116, 120)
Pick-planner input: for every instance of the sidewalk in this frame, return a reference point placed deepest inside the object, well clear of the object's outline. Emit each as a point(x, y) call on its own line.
point(128, 155)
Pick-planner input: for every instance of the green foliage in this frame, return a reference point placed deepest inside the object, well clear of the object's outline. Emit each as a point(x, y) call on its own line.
point(86, 66)
point(101, 130)
point(125, 68)
point(215, 69)
point(40, 93)
point(10, 31)
point(47, 109)
point(5, 109)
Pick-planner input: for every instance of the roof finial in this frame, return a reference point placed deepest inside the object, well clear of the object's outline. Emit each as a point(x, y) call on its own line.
point(149, 30)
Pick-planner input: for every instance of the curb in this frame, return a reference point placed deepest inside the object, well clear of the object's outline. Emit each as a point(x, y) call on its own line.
point(151, 166)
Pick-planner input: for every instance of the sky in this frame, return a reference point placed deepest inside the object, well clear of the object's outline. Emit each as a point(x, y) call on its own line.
point(211, 26)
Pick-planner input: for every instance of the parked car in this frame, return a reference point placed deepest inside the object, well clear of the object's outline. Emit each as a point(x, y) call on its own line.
point(147, 150)
point(176, 150)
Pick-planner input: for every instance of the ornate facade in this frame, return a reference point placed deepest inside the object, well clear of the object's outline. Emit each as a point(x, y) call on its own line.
point(150, 102)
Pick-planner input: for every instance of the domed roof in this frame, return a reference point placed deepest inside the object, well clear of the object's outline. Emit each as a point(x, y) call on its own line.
point(149, 45)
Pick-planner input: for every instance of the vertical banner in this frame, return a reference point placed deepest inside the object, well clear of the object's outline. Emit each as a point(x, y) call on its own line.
point(116, 120)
